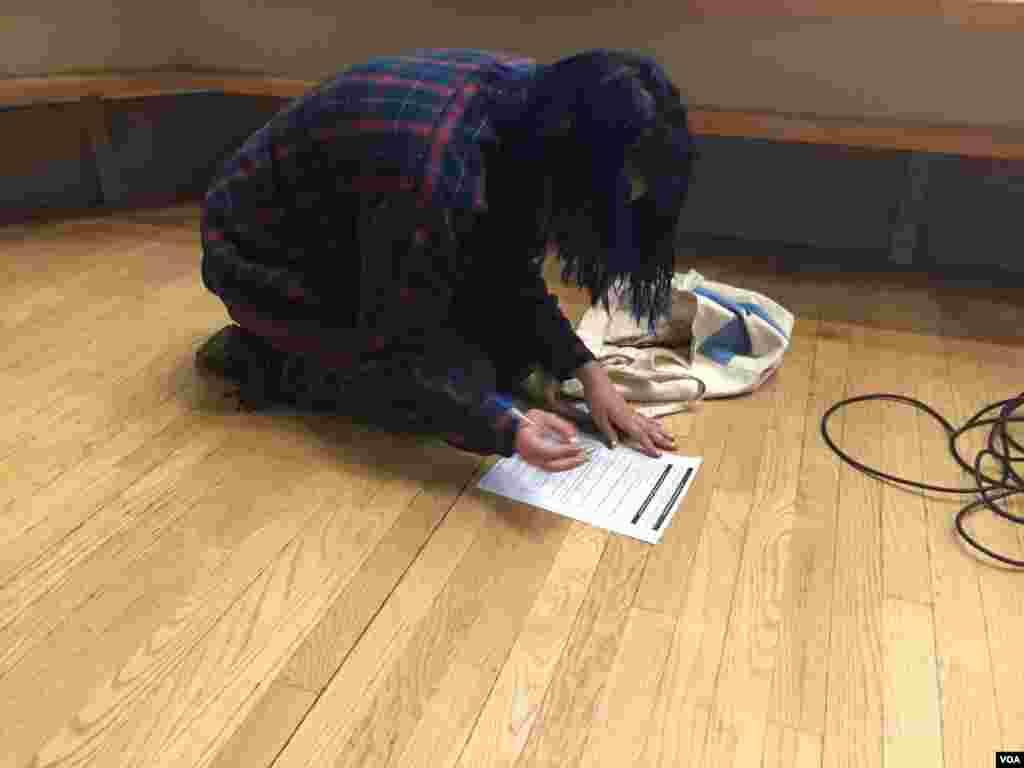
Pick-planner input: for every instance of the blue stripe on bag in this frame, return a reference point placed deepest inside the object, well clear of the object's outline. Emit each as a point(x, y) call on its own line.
point(738, 307)
point(731, 340)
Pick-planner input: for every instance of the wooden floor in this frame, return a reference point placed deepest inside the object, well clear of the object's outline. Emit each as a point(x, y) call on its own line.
point(182, 585)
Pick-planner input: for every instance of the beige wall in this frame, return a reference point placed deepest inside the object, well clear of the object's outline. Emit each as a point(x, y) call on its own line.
point(317, 39)
point(910, 68)
point(58, 36)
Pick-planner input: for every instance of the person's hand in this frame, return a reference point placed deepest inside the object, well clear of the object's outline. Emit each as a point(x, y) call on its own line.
point(614, 417)
point(551, 395)
point(539, 450)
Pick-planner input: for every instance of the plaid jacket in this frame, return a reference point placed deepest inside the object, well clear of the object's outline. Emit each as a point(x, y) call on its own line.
point(362, 205)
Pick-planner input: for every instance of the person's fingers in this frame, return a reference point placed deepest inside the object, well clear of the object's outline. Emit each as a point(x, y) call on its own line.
point(557, 424)
point(639, 434)
point(563, 465)
point(659, 435)
point(665, 442)
point(545, 451)
point(604, 424)
point(648, 444)
point(654, 431)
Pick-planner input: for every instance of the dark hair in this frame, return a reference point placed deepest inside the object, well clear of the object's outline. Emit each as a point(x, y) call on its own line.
point(578, 211)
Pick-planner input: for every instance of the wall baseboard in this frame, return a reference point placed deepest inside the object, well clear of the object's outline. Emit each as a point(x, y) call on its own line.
point(928, 211)
point(93, 155)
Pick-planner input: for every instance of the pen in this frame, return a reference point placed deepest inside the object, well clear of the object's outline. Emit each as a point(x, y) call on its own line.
point(549, 433)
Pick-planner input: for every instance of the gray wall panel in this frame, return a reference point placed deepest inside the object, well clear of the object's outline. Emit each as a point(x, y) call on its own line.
point(796, 193)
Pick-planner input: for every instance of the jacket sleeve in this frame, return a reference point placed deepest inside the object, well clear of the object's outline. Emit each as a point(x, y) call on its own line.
point(411, 266)
point(503, 427)
point(559, 350)
point(502, 282)
point(451, 387)
point(472, 419)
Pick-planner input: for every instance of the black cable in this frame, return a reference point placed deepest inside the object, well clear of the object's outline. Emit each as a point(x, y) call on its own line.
point(990, 490)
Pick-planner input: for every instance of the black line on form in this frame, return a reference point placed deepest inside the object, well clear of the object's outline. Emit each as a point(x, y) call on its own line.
point(675, 495)
point(654, 490)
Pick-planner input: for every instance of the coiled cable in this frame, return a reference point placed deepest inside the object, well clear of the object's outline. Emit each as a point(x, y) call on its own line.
point(1001, 447)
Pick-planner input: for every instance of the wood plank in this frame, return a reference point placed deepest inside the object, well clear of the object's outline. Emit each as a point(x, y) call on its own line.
point(163, 598)
point(267, 726)
point(152, 496)
point(744, 437)
point(853, 720)
point(739, 718)
point(58, 267)
point(83, 435)
point(56, 372)
point(749, 427)
point(679, 724)
point(970, 723)
point(326, 648)
point(799, 685)
point(516, 548)
point(662, 589)
point(786, 747)
point(559, 734)
point(780, 405)
point(980, 371)
point(99, 275)
point(742, 700)
point(79, 442)
point(913, 726)
point(622, 721)
point(297, 544)
point(387, 636)
point(303, 639)
point(131, 512)
point(483, 644)
point(801, 667)
point(335, 635)
point(451, 713)
point(72, 320)
point(905, 558)
point(798, 695)
point(506, 720)
point(778, 478)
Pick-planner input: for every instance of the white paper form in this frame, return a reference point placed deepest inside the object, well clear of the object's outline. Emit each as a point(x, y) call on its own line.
point(620, 490)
